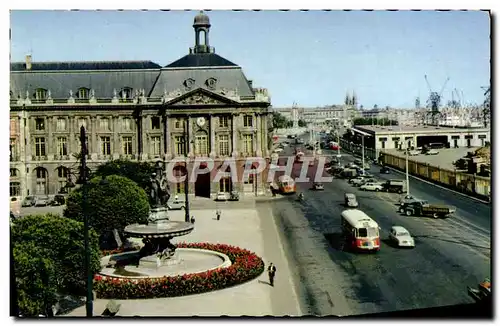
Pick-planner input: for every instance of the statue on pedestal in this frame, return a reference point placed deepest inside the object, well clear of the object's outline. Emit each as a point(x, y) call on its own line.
point(159, 193)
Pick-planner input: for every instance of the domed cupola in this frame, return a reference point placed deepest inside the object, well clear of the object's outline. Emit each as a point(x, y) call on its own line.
point(201, 27)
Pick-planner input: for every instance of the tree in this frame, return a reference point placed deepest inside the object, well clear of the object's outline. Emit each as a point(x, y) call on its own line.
point(279, 120)
point(35, 279)
point(53, 246)
point(139, 172)
point(113, 205)
point(302, 123)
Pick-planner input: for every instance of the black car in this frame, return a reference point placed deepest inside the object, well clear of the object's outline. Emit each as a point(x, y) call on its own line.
point(234, 196)
point(59, 200)
point(384, 170)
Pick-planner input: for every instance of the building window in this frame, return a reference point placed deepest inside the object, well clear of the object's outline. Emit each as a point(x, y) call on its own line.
point(39, 124)
point(126, 93)
point(61, 124)
point(82, 122)
point(104, 124)
point(40, 146)
point(383, 144)
point(127, 124)
point(179, 145)
point(62, 146)
point(201, 144)
point(155, 123)
point(179, 123)
point(223, 122)
point(41, 181)
point(13, 150)
point(248, 121)
point(83, 93)
point(225, 185)
point(155, 145)
point(247, 144)
point(15, 189)
point(127, 145)
point(105, 145)
point(13, 173)
point(41, 94)
point(62, 172)
point(223, 145)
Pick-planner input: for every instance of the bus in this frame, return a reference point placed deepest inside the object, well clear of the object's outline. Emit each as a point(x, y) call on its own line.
point(286, 185)
point(360, 231)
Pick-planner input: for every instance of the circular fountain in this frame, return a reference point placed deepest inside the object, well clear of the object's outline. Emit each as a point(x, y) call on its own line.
point(158, 257)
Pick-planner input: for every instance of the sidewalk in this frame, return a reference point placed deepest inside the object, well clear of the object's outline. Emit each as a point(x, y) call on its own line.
point(250, 228)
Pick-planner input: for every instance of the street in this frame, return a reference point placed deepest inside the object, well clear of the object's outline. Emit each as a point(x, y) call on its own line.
point(449, 255)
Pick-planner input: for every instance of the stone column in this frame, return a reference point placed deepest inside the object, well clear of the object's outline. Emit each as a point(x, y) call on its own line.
point(49, 145)
point(211, 128)
point(115, 127)
point(190, 136)
point(166, 138)
point(258, 127)
point(146, 148)
point(265, 139)
point(234, 131)
point(93, 143)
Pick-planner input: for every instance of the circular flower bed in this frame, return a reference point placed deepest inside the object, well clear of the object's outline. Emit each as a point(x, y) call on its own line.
point(246, 266)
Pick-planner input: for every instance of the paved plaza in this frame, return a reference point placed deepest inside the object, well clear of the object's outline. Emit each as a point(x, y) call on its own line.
point(252, 228)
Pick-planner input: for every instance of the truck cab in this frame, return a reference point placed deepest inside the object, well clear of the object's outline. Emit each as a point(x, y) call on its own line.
point(422, 208)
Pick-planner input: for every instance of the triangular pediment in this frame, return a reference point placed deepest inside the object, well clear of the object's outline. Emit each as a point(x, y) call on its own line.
point(201, 96)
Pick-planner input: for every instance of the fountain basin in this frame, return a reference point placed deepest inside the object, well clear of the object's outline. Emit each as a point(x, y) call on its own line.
point(169, 229)
point(186, 261)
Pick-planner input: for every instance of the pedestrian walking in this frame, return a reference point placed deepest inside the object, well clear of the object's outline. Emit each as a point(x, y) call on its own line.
point(271, 271)
point(192, 220)
point(218, 214)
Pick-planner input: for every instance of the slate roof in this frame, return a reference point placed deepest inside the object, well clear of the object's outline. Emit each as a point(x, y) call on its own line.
point(85, 65)
point(231, 78)
point(201, 60)
point(61, 82)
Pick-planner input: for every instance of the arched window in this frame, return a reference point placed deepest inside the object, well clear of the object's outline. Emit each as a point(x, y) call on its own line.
point(41, 180)
point(83, 93)
point(126, 93)
point(40, 94)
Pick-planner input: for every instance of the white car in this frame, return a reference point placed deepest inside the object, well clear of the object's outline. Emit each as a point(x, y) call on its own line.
point(42, 201)
point(432, 152)
point(401, 237)
point(176, 204)
point(407, 199)
point(414, 153)
point(222, 196)
point(372, 186)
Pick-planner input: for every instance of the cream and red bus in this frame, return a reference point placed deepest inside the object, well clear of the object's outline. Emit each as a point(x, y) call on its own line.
point(361, 232)
point(286, 184)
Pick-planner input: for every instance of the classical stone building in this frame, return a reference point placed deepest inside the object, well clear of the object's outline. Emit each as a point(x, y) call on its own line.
point(201, 103)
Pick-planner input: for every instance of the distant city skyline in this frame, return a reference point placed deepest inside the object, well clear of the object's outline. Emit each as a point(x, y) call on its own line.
point(310, 58)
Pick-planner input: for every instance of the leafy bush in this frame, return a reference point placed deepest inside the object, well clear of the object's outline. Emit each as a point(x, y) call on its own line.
point(57, 244)
point(246, 266)
point(139, 172)
point(113, 205)
point(35, 281)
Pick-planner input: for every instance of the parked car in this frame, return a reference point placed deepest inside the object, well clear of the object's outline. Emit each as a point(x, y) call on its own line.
point(407, 199)
point(234, 196)
point(222, 196)
point(395, 185)
point(58, 200)
point(414, 153)
point(42, 201)
point(401, 237)
point(175, 204)
point(29, 201)
point(350, 200)
point(432, 152)
point(318, 186)
point(371, 186)
point(278, 150)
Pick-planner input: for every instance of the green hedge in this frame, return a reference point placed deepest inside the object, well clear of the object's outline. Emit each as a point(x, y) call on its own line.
point(246, 266)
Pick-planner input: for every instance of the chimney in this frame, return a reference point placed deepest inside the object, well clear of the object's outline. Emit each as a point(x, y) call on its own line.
point(250, 82)
point(28, 62)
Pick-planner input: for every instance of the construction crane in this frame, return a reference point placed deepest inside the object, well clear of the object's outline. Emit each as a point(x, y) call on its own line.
point(434, 101)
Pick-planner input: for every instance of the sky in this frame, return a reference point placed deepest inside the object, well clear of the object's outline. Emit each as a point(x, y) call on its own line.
point(310, 58)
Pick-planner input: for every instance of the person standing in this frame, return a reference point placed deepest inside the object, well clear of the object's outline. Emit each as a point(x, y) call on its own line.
point(271, 271)
point(218, 214)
